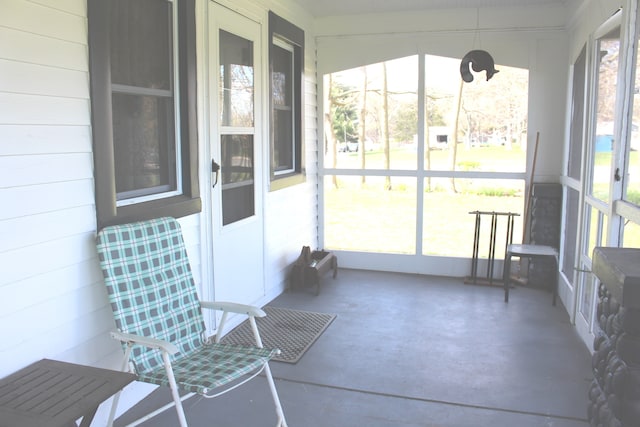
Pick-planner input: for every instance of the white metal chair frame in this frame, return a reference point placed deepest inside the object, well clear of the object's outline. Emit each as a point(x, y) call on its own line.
point(529, 251)
point(132, 257)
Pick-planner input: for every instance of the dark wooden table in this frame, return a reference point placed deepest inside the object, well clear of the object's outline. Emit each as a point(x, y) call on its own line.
point(51, 393)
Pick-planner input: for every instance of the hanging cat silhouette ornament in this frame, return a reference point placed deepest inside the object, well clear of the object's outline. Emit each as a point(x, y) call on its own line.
point(479, 60)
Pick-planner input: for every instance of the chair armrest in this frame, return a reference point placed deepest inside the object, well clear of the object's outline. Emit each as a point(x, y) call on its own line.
point(233, 307)
point(145, 341)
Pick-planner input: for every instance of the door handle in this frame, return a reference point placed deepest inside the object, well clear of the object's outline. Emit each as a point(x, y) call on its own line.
point(215, 170)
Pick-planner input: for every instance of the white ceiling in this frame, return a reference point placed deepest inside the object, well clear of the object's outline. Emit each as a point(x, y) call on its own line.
point(320, 8)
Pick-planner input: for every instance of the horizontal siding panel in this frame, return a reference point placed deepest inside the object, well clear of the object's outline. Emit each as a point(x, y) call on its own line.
point(93, 350)
point(22, 77)
point(50, 256)
point(32, 230)
point(77, 7)
point(310, 89)
point(286, 234)
point(38, 19)
point(61, 325)
point(43, 139)
point(37, 290)
point(61, 341)
point(33, 109)
point(58, 311)
point(88, 323)
point(37, 199)
point(42, 169)
point(38, 49)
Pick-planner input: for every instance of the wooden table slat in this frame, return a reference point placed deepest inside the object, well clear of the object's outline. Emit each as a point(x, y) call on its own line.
point(25, 387)
point(54, 394)
point(76, 400)
point(40, 393)
point(54, 402)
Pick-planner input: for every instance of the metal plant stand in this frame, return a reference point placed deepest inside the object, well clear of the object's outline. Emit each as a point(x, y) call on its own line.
point(494, 217)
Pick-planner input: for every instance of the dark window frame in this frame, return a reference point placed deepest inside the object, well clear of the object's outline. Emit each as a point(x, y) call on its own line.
point(187, 203)
point(283, 29)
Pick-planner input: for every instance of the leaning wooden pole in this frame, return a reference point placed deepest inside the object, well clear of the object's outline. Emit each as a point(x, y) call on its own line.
point(527, 205)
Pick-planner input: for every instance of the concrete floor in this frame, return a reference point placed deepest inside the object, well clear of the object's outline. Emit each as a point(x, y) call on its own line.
point(410, 350)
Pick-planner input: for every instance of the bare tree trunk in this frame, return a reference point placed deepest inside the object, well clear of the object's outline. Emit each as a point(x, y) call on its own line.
point(362, 127)
point(385, 125)
point(467, 140)
point(508, 143)
point(453, 149)
point(427, 139)
point(330, 136)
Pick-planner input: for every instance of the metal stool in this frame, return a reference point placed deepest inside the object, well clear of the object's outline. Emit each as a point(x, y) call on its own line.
point(528, 251)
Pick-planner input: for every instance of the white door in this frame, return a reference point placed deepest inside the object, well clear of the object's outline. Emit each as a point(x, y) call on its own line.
point(236, 148)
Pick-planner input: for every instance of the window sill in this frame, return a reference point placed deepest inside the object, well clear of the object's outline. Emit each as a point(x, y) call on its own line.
point(285, 181)
point(176, 207)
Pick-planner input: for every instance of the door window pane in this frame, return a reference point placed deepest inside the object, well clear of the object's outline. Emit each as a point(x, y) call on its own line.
point(631, 236)
point(587, 296)
point(632, 181)
point(602, 151)
point(570, 231)
point(236, 80)
point(237, 111)
point(577, 116)
point(237, 170)
point(596, 223)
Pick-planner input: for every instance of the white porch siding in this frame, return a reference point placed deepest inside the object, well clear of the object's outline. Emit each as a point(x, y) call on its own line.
point(53, 303)
point(52, 298)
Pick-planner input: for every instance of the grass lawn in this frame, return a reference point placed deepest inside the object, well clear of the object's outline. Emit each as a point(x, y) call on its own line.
point(404, 157)
point(370, 219)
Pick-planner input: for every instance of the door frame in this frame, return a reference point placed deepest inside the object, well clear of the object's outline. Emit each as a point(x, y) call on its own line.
point(208, 125)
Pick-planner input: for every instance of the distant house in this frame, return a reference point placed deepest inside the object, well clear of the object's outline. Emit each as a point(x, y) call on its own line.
point(439, 137)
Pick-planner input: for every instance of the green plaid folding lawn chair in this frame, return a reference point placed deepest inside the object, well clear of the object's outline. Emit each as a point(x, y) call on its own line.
point(159, 318)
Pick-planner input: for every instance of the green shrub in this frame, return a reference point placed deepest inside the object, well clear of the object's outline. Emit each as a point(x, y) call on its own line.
point(496, 192)
point(633, 196)
point(469, 165)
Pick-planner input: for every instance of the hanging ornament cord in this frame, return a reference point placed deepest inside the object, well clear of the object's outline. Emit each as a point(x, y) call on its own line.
point(479, 60)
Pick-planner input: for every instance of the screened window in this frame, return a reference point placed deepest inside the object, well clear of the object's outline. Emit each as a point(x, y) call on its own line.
point(284, 149)
point(632, 182)
point(143, 100)
point(608, 47)
point(286, 55)
point(491, 118)
point(577, 116)
point(403, 162)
